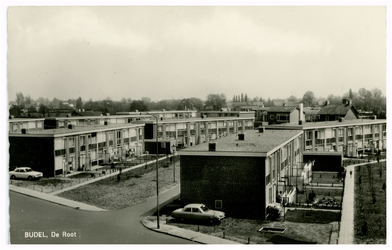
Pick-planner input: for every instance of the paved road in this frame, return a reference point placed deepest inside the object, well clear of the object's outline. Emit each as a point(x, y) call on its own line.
point(111, 227)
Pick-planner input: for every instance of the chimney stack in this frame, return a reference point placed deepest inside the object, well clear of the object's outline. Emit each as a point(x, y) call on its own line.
point(241, 137)
point(301, 113)
point(346, 101)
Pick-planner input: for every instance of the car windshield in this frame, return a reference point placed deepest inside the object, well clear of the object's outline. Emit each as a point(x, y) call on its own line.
point(28, 170)
point(204, 208)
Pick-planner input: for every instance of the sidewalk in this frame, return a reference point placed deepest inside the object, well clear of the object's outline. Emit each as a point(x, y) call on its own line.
point(54, 199)
point(184, 233)
point(346, 233)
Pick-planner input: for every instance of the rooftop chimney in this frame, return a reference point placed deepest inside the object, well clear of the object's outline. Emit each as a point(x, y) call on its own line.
point(346, 101)
point(241, 137)
point(261, 129)
point(301, 113)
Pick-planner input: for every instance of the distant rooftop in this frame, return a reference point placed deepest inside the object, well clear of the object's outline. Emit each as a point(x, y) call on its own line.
point(195, 119)
point(254, 142)
point(282, 108)
point(310, 125)
point(76, 130)
point(340, 109)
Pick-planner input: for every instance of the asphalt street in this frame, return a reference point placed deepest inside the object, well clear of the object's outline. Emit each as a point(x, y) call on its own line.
point(50, 223)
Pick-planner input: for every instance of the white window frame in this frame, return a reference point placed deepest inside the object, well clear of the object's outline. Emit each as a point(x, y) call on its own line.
point(217, 202)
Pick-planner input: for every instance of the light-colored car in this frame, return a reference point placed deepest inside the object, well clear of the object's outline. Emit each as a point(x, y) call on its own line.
point(198, 213)
point(25, 173)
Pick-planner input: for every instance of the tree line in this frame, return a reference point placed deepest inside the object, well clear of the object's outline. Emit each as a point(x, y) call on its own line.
point(364, 100)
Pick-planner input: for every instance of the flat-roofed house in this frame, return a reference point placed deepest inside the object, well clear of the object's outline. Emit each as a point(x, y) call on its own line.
point(240, 173)
point(59, 150)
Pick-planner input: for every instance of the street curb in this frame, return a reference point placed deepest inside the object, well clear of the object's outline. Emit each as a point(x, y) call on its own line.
point(159, 231)
point(193, 236)
point(55, 199)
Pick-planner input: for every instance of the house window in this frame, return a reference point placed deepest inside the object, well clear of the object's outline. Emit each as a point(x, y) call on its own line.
point(218, 204)
point(308, 135)
point(282, 117)
point(272, 117)
point(341, 132)
point(93, 139)
point(71, 142)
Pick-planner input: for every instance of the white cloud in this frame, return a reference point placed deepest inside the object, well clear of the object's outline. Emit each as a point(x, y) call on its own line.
point(84, 26)
point(229, 30)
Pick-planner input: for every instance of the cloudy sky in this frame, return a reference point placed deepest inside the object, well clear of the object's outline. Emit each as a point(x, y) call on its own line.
point(182, 51)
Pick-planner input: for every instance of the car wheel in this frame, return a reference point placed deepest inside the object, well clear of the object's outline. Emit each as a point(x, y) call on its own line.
point(29, 178)
point(13, 177)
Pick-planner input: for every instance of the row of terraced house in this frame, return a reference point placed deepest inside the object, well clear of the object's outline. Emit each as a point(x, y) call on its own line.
point(226, 162)
point(57, 145)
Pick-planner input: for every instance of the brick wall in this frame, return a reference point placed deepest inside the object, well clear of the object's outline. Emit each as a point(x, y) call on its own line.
point(239, 182)
point(34, 152)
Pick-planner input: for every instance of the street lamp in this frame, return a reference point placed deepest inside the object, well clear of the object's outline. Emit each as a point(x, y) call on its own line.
point(156, 166)
point(64, 166)
point(283, 199)
point(174, 163)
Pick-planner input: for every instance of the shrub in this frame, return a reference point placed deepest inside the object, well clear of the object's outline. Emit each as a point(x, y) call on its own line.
point(273, 213)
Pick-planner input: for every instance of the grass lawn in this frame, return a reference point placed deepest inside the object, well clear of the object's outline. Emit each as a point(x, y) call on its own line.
point(323, 194)
point(134, 187)
point(45, 185)
point(240, 230)
point(370, 204)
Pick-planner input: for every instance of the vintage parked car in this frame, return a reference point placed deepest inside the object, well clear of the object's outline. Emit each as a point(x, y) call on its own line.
point(25, 173)
point(198, 213)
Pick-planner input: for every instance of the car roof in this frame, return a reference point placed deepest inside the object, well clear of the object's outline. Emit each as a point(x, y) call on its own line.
point(194, 205)
point(22, 167)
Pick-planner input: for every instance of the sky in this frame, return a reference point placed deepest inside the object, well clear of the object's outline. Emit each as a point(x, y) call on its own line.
point(179, 51)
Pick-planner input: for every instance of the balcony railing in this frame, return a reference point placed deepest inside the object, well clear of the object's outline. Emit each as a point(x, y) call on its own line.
point(368, 136)
point(331, 140)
